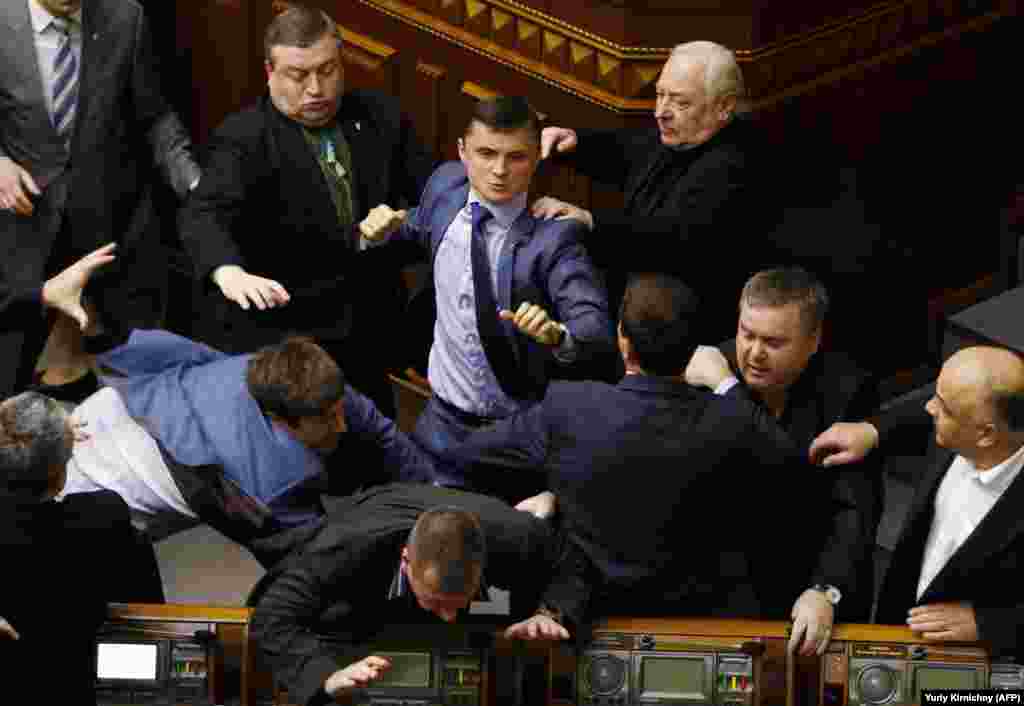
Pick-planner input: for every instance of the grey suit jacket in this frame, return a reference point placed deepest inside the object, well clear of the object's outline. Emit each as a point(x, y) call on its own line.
point(98, 189)
point(114, 36)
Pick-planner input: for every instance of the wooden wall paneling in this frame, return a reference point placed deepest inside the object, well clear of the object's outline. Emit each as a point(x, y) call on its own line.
point(226, 50)
point(370, 63)
point(424, 102)
point(503, 28)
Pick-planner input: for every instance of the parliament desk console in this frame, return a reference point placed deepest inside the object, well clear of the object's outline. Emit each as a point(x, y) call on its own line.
point(882, 665)
point(627, 662)
point(167, 655)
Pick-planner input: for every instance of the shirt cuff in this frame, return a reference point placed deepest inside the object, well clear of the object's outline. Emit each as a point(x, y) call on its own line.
point(726, 385)
point(566, 350)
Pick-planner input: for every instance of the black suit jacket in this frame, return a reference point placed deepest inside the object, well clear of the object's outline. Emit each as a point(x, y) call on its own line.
point(63, 562)
point(100, 189)
point(264, 205)
point(338, 583)
point(697, 214)
point(654, 478)
point(985, 571)
point(832, 389)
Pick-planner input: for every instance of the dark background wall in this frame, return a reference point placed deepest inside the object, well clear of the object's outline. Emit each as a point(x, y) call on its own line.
point(892, 139)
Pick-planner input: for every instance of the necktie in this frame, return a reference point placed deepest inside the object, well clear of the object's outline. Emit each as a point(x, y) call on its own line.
point(64, 88)
point(496, 346)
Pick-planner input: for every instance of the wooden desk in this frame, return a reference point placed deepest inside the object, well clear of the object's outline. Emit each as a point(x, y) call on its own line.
point(230, 627)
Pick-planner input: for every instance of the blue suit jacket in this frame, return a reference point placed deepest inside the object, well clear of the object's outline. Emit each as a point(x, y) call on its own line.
point(654, 478)
point(550, 268)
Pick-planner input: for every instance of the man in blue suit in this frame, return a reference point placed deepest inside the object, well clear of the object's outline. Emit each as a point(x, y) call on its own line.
point(516, 296)
point(654, 480)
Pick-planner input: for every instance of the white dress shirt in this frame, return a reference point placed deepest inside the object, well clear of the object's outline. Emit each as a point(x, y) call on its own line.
point(458, 370)
point(47, 41)
point(964, 497)
point(120, 455)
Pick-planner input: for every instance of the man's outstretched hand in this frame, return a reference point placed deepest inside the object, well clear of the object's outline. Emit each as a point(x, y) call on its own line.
point(63, 291)
point(843, 442)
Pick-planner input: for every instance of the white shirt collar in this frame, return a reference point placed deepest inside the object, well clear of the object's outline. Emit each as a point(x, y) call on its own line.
point(41, 17)
point(1000, 476)
point(504, 213)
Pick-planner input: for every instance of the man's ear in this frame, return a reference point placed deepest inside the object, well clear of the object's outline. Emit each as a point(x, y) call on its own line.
point(269, 68)
point(726, 108)
point(817, 340)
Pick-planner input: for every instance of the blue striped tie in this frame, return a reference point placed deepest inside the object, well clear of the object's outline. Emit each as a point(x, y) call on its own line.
point(65, 81)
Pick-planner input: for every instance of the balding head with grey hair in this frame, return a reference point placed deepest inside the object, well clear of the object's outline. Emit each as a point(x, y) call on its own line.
point(697, 94)
point(722, 75)
point(35, 445)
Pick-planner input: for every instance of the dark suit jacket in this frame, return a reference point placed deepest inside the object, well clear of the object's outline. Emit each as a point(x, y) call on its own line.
point(985, 571)
point(550, 268)
point(654, 478)
point(833, 389)
point(63, 562)
point(101, 188)
point(692, 213)
point(264, 204)
point(339, 582)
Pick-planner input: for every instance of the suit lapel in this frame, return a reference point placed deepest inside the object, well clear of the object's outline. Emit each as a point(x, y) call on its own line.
point(366, 163)
point(448, 207)
point(95, 48)
point(21, 74)
point(924, 498)
point(518, 236)
point(301, 171)
point(1002, 525)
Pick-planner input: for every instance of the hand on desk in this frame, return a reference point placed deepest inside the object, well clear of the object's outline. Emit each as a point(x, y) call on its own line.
point(953, 622)
point(356, 675)
point(537, 627)
point(13, 183)
point(812, 621)
point(7, 631)
point(242, 288)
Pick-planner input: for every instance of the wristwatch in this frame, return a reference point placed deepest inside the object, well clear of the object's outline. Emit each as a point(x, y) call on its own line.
point(832, 594)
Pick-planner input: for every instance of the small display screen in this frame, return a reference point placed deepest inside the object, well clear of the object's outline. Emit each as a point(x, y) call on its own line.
point(407, 669)
point(672, 675)
point(945, 678)
point(115, 660)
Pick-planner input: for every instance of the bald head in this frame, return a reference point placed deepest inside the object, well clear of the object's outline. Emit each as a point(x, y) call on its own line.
point(978, 405)
point(994, 379)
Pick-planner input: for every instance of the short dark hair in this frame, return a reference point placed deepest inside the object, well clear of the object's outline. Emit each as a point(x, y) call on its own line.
point(298, 26)
point(35, 444)
point(505, 113)
point(789, 285)
point(293, 379)
point(452, 540)
point(660, 318)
